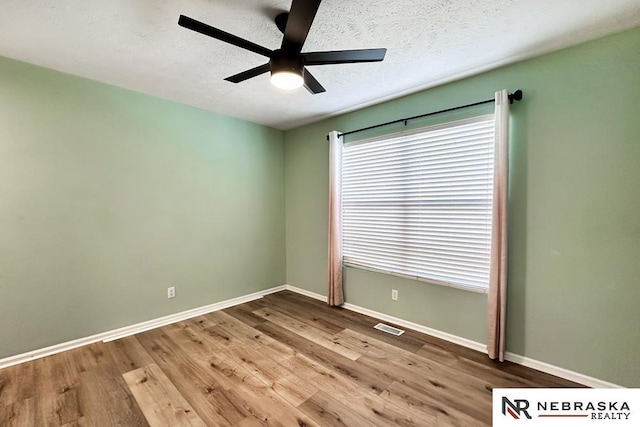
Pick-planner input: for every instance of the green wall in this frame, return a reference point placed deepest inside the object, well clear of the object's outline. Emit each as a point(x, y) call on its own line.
point(108, 197)
point(574, 269)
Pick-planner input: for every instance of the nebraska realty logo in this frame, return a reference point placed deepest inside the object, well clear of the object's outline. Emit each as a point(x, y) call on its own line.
point(566, 407)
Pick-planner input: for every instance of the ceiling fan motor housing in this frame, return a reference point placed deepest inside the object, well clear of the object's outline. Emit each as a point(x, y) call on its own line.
point(281, 62)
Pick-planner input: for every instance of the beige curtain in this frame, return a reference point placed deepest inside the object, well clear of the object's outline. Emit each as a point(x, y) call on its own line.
point(335, 293)
point(497, 305)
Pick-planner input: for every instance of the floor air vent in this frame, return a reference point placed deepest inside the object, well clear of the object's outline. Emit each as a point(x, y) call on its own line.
point(389, 329)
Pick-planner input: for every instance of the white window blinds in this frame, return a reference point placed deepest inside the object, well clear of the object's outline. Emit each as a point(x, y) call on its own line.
point(418, 204)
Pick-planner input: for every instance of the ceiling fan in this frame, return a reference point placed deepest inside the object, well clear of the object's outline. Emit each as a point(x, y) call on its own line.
point(288, 64)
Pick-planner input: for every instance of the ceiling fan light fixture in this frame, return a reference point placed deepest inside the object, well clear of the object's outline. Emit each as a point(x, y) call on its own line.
point(287, 72)
point(286, 79)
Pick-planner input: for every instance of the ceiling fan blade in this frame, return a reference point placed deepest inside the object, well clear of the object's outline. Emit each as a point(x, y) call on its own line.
point(207, 30)
point(344, 56)
point(298, 24)
point(246, 75)
point(311, 84)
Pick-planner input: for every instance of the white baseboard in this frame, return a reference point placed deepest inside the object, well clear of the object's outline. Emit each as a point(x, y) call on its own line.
point(134, 329)
point(306, 293)
point(474, 345)
point(559, 372)
point(166, 320)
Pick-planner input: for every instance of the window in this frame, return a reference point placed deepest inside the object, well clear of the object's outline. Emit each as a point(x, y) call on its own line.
point(418, 204)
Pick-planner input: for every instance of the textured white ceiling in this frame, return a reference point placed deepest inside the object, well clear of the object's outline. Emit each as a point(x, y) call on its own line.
point(137, 44)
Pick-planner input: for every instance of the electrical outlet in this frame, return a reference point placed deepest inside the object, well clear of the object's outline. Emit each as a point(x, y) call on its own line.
point(171, 292)
point(394, 294)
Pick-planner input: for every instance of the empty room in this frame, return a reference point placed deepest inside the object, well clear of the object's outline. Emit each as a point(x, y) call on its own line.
point(319, 213)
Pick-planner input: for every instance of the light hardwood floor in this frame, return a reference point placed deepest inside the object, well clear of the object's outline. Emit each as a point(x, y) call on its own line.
point(283, 360)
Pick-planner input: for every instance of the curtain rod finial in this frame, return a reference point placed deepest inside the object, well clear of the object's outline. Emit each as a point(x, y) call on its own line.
point(515, 96)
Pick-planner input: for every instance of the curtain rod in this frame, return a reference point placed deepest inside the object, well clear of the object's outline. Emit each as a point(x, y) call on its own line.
point(515, 96)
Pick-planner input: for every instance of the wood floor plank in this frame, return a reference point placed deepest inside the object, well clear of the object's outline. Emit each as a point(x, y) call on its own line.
point(203, 322)
point(364, 376)
point(17, 383)
point(309, 332)
point(440, 413)
point(128, 354)
point(103, 396)
point(366, 401)
point(161, 403)
point(201, 342)
point(105, 399)
point(257, 363)
point(279, 351)
point(455, 394)
point(299, 313)
point(294, 389)
point(21, 413)
point(266, 405)
point(247, 335)
point(88, 357)
point(251, 422)
point(439, 354)
point(358, 411)
point(202, 381)
point(80, 422)
point(305, 368)
point(99, 394)
point(330, 412)
point(245, 314)
point(393, 362)
point(256, 304)
point(57, 397)
point(397, 357)
point(204, 350)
